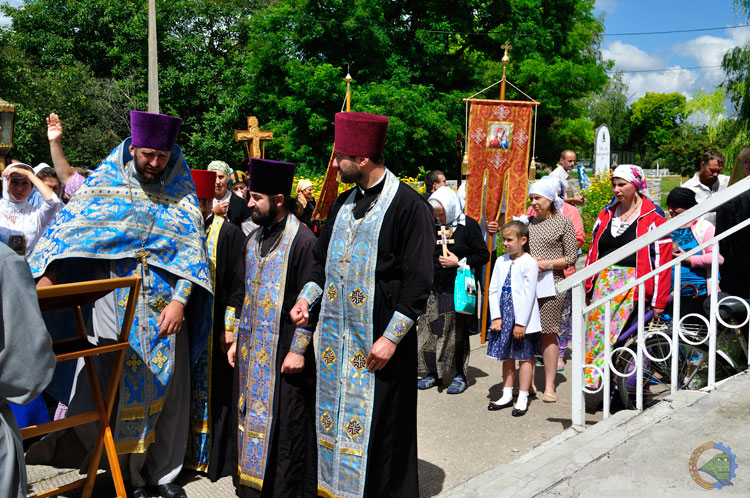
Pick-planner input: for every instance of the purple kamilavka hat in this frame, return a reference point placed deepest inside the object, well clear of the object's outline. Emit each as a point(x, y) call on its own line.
point(154, 131)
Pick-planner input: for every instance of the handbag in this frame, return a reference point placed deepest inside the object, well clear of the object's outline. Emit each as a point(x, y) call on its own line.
point(465, 290)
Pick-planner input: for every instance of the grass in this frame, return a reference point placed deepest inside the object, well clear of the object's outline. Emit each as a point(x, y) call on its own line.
point(667, 184)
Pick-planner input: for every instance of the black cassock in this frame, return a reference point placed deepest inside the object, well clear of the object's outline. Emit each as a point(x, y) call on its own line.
point(291, 469)
point(403, 276)
point(228, 291)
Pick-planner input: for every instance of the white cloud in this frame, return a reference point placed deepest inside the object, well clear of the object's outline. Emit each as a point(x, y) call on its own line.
point(675, 80)
point(4, 20)
point(630, 58)
point(709, 51)
point(606, 6)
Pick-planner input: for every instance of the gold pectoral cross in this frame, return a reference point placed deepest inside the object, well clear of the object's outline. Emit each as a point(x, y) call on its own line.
point(143, 255)
point(444, 240)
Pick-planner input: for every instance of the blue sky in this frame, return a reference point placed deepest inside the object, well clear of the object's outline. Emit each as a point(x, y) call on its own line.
point(675, 51)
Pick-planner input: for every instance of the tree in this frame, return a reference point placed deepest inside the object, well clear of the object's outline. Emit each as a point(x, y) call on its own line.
point(655, 119)
point(284, 61)
point(86, 60)
point(610, 107)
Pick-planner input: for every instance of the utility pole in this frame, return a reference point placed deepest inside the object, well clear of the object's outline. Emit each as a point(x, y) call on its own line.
point(153, 68)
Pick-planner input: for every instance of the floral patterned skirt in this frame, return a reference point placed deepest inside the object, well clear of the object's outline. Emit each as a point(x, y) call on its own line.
point(608, 281)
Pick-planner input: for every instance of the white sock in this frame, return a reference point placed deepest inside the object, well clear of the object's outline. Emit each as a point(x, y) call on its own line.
point(523, 400)
point(506, 397)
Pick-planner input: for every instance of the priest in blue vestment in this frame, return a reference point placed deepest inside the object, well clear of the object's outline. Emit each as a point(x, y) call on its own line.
point(372, 276)
point(274, 360)
point(137, 214)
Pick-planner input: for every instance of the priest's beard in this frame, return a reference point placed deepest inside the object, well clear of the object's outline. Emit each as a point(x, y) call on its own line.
point(265, 219)
point(140, 167)
point(353, 175)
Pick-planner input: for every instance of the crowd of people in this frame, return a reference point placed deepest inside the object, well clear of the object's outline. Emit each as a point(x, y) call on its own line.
point(223, 376)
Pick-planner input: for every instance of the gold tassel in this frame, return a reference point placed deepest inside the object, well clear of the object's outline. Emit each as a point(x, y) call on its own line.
point(532, 169)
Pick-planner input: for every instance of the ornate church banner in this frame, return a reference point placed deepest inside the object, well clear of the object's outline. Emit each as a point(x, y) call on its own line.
point(499, 146)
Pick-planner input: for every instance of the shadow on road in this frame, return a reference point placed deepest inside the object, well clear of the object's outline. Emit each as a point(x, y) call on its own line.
point(431, 478)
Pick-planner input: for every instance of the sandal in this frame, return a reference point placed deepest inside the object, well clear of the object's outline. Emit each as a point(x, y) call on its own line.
point(458, 385)
point(549, 398)
point(427, 382)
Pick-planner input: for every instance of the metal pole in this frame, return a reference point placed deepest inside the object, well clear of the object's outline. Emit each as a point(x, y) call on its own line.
point(153, 76)
point(712, 318)
point(578, 415)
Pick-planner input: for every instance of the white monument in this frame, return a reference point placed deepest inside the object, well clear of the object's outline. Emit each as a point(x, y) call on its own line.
point(601, 150)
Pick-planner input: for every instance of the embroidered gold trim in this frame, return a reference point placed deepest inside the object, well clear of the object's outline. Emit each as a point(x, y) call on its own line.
point(349, 451)
point(262, 356)
point(326, 444)
point(354, 428)
point(326, 422)
point(359, 361)
point(134, 362)
point(328, 357)
point(159, 360)
point(357, 297)
point(331, 292)
point(159, 305)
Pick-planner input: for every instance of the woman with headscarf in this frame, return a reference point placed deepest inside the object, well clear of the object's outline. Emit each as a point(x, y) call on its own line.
point(630, 215)
point(552, 242)
point(442, 333)
point(21, 224)
point(570, 212)
point(305, 199)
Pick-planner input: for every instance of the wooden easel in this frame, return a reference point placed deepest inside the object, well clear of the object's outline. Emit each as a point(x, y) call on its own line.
point(71, 297)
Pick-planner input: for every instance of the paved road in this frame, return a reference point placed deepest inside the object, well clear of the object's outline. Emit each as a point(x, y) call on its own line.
point(458, 438)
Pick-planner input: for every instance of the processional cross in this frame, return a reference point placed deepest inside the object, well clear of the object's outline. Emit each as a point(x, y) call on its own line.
point(444, 240)
point(253, 137)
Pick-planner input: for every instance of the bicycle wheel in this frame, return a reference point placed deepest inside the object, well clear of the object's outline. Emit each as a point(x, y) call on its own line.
point(692, 370)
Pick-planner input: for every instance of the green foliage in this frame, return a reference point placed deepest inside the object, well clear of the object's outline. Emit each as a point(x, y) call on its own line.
point(284, 61)
point(598, 195)
point(610, 106)
point(682, 153)
point(655, 119)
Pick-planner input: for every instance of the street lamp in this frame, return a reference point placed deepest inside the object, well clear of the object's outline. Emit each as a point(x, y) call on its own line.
point(7, 120)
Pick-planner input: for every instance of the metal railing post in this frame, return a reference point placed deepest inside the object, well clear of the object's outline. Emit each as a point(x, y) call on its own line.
point(639, 346)
point(578, 342)
point(712, 316)
point(676, 301)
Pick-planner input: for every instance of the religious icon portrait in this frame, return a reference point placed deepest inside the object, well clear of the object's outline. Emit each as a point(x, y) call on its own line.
point(499, 135)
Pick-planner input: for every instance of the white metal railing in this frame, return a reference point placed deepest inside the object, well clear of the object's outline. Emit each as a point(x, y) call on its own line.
point(580, 309)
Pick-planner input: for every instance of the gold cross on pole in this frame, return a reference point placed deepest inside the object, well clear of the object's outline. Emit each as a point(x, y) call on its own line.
point(444, 240)
point(253, 137)
point(506, 46)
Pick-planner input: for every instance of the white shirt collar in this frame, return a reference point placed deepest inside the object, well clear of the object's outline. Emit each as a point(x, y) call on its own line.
point(374, 184)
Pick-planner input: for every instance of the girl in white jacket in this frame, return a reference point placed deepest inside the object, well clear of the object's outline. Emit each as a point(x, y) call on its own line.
point(515, 331)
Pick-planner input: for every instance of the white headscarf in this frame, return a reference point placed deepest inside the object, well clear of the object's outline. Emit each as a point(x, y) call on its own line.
point(448, 200)
point(549, 188)
point(634, 175)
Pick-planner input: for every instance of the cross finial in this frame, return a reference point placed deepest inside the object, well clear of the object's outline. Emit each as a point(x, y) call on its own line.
point(506, 46)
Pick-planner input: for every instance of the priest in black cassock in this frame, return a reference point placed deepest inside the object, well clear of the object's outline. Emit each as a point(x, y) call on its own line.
point(211, 446)
point(274, 360)
point(372, 276)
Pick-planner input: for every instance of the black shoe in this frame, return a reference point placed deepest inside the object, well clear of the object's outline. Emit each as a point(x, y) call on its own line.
point(171, 490)
point(519, 413)
point(140, 493)
point(494, 406)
